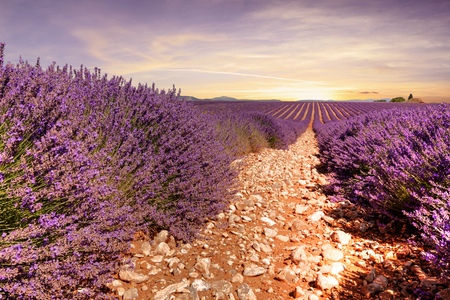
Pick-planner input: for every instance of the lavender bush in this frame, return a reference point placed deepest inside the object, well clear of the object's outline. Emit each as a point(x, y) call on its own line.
point(397, 162)
point(245, 128)
point(85, 162)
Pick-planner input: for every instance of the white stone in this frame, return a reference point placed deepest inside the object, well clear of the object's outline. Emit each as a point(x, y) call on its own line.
point(173, 262)
point(316, 216)
point(245, 292)
point(256, 246)
point(337, 267)
point(130, 294)
point(120, 291)
point(237, 278)
point(246, 219)
point(162, 248)
point(165, 293)
point(222, 289)
point(203, 265)
point(333, 255)
point(340, 237)
point(313, 297)
point(116, 282)
point(298, 255)
point(299, 209)
point(157, 258)
point(154, 271)
point(162, 236)
point(254, 271)
point(282, 238)
point(200, 285)
point(146, 248)
point(130, 276)
point(326, 282)
point(270, 233)
point(265, 248)
point(268, 221)
point(256, 198)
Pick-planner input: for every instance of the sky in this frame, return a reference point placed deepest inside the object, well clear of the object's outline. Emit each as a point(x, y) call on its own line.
point(246, 49)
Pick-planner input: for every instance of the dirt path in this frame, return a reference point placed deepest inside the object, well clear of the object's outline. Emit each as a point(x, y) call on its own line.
point(284, 240)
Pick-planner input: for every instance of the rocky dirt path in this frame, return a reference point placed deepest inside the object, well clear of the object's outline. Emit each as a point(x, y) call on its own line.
point(281, 239)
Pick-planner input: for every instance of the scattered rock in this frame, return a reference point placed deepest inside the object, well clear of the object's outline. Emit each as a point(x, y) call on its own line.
point(254, 271)
point(362, 227)
point(146, 248)
point(283, 238)
point(165, 293)
point(299, 225)
point(287, 275)
point(270, 233)
point(381, 280)
point(299, 255)
point(221, 289)
point(337, 268)
point(200, 285)
point(268, 221)
point(130, 276)
point(237, 278)
point(326, 282)
point(316, 216)
point(300, 209)
point(429, 281)
point(256, 198)
point(298, 292)
point(130, 294)
point(371, 289)
point(245, 292)
point(203, 265)
point(444, 294)
point(341, 237)
point(162, 248)
point(333, 255)
point(403, 252)
point(371, 276)
point(386, 295)
point(162, 236)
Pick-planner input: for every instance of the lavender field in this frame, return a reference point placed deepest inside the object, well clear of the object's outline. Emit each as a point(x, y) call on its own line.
point(86, 161)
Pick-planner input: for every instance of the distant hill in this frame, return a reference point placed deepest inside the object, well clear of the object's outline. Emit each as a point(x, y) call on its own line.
point(352, 100)
point(367, 100)
point(314, 100)
point(225, 98)
point(222, 98)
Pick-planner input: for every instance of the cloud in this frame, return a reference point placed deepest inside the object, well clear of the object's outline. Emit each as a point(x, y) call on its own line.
point(249, 75)
point(303, 48)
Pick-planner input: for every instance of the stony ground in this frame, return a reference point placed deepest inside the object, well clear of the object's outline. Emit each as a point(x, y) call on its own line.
point(281, 239)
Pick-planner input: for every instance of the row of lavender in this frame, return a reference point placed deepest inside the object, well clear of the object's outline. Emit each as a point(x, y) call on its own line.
point(326, 112)
point(397, 162)
point(245, 127)
point(248, 126)
point(85, 162)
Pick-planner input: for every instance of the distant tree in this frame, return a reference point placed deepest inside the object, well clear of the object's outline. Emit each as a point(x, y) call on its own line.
point(410, 96)
point(380, 101)
point(398, 99)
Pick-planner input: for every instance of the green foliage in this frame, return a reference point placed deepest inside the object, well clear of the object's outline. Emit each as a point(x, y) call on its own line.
point(380, 101)
point(398, 99)
point(410, 96)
